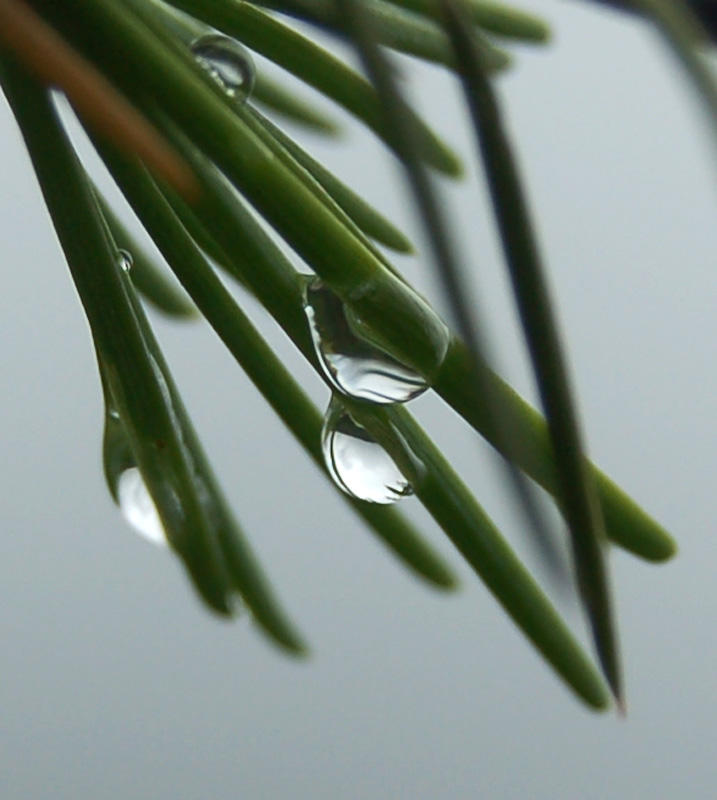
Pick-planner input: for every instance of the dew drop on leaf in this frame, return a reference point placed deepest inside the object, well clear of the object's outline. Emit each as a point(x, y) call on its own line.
point(357, 462)
point(228, 62)
point(125, 260)
point(354, 366)
point(138, 508)
point(125, 481)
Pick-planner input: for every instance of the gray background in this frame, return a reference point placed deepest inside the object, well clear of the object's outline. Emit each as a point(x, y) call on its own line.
point(114, 683)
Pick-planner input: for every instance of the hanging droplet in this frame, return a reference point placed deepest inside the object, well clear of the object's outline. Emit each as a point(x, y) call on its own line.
point(357, 462)
point(125, 260)
point(138, 508)
point(125, 481)
point(228, 62)
point(356, 367)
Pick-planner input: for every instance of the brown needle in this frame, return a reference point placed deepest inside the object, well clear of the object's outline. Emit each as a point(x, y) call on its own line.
point(56, 63)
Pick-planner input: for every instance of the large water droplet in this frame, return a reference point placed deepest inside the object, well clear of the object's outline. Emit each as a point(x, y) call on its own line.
point(228, 62)
point(138, 508)
point(356, 367)
point(357, 463)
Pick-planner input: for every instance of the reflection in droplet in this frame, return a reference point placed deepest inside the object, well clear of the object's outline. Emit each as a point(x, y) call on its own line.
point(138, 508)
point(125, 260)
point(357, 463)
point(228, 62)
point(355, 366)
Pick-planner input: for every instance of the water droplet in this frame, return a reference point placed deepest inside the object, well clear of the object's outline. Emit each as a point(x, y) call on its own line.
point(357, 462)
point(228, 62)
point(125, 260)
point(138, 508)
point(355, 366)
point(125, 481)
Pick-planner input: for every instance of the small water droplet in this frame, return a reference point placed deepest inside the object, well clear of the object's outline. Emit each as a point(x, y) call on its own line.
point(138, 508)
point(125, 481)
point(354, 366)
point(357, 462)
point(228, 62)
point(125, 260)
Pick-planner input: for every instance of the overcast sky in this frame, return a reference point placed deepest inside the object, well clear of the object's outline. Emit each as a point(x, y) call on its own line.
point(117, 684)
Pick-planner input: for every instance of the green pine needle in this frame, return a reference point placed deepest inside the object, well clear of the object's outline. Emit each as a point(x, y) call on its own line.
point(248, 184)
